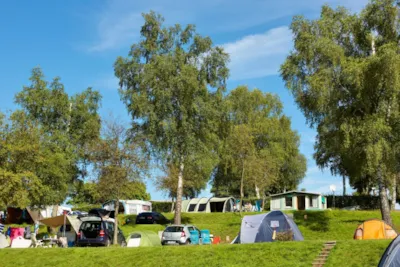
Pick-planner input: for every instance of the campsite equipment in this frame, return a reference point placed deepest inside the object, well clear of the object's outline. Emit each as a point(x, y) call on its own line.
point(3, 241)
point(194, 237)
point(16, 232)
point(143, 239)
point(20, 242)
point(216, 240)
point(71, 228)
point(374, 229)
point(260, 228)
point(205, 237)
point(391, 256)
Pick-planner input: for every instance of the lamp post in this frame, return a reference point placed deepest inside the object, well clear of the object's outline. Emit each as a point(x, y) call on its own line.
point(333, 189)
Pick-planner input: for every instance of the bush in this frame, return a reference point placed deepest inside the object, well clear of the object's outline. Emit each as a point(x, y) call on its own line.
point(161, 206)
point(85, 207)
point(364, 202)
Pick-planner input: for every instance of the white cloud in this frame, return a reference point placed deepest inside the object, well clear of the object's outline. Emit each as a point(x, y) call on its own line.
point(118, 23)
point(259, 54)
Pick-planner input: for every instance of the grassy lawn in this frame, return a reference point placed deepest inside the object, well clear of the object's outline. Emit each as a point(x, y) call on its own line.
point(326, 225)
point(357, 253)
point(265, 254)
point(316, 228)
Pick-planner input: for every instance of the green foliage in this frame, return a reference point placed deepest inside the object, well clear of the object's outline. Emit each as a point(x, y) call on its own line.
point(119, 164)
point(166, 85)
point(161, 206)
point(258, 139)
point(366, 202)
point(344, 75)
point(44, 145)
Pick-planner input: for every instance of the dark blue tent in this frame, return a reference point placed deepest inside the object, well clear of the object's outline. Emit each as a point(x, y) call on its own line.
point(260, 228)
point(391, 257)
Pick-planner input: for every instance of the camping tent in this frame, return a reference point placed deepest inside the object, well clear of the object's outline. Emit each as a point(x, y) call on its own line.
point(212, 204)
point(391, 256)
point(260, 228)
point(374, 229)
point(143, 239)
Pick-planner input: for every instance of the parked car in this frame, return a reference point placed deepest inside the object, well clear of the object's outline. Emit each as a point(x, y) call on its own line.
point(97, 231)
point(151, 217)
point(178, 234)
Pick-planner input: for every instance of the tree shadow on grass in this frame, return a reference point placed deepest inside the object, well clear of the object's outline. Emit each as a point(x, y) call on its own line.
point(313, 220)
point(354, 221)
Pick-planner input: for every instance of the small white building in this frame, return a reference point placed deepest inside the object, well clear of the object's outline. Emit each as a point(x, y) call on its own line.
point(128, 207)
point(298, 200)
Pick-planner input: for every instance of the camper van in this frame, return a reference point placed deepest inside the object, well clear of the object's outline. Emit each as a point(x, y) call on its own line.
point(129, 207)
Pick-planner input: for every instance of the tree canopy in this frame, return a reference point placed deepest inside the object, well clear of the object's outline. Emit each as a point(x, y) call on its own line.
point(165, 83)
point(344, 74)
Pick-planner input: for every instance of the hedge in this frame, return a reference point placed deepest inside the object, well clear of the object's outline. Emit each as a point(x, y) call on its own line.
point(364, 202)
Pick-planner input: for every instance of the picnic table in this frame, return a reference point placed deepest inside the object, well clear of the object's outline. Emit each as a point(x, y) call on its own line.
point(52, 242)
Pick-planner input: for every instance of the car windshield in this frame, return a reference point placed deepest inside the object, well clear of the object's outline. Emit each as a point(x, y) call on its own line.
point(174, 229)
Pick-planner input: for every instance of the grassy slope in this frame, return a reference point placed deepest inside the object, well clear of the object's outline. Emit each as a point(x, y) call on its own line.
point(318, 227)
point(328, 225)
point(357, 253)
point(266, 254)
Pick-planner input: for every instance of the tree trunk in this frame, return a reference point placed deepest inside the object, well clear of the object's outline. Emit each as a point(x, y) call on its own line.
point(53, 230)
point(394, 192)
point(257, 192)
point(115, 239)
point(178, 206)
point(172, 204)
point(241, 190)
point(385, 209)
point(344, 185)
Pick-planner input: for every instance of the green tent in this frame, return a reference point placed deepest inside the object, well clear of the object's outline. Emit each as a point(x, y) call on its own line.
point(143, 239)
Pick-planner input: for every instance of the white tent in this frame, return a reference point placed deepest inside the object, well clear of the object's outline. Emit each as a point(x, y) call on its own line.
point(212, 204)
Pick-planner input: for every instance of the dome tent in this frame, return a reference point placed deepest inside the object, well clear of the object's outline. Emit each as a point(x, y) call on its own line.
point(391, 256)
point(260, 228)
point(374, 229)
point(143, 238)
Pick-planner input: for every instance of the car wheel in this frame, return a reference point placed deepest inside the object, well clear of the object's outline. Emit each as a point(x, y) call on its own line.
point(187, 242)
point(162, 243)
point(123, 244)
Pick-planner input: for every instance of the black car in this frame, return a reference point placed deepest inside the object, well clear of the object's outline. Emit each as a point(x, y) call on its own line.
point(151, 217)
point(96, 231)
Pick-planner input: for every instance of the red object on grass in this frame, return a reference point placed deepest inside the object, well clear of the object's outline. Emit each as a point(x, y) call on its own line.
point(216, 240)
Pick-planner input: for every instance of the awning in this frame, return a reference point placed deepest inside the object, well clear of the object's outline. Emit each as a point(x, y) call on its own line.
point(59, 220)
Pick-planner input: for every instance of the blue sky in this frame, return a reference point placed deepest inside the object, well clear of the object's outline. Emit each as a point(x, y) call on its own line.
point(80, 40)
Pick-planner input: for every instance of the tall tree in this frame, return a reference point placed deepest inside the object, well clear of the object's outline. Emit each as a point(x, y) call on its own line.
point(166, 84)
point(70, 124)
point(118, 163)
point(260, 152)
point(344, 74)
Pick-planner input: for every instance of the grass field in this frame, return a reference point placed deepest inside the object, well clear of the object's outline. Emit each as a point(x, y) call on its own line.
point(357, 253)
point(321, 226)
point(266, 254)
point(316, 228)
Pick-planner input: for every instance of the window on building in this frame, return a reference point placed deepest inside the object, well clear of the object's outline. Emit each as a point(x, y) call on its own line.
point(288, 201)
point(314, 202)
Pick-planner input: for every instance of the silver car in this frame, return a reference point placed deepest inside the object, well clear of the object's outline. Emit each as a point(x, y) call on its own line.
point(178, 234)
